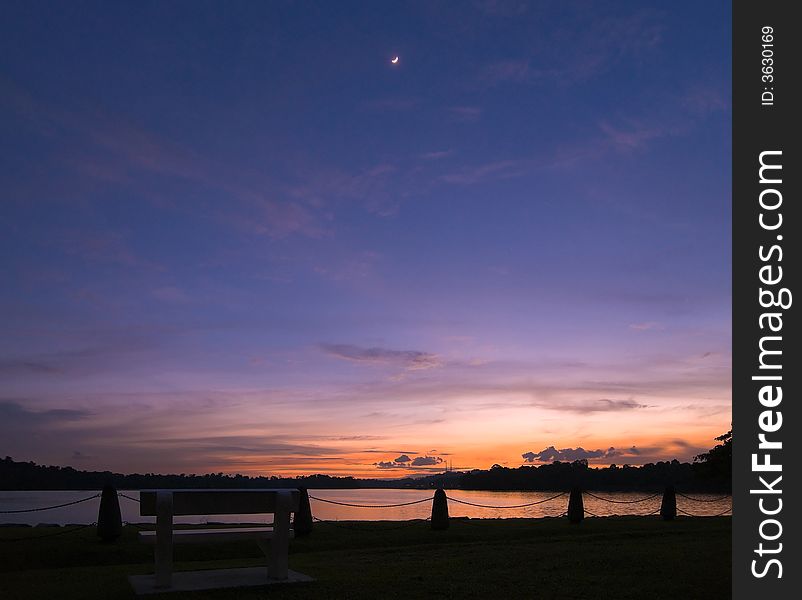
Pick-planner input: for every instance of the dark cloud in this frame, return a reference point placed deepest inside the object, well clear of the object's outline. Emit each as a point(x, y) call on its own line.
point(551, 454)
point(679, 449)
point(106, 349)
point(13, 366)
point(425, 461)
point(54, 363)
point(14, 413)
point(605, 405)
point(405, 462)
point(409, 359)
point(387, 464)
point(592, 406)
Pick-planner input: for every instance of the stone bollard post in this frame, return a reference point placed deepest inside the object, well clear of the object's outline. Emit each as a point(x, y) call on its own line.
point(302, 521)
point(576, 508)
point(668, 508)
point(109, 521)
point(439, 510)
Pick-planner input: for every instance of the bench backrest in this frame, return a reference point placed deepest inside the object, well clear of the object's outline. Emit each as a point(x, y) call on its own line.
point(217, 502)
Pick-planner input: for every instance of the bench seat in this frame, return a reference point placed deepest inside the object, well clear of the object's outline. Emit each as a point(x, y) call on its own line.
point(166, 504)
point(232, 534)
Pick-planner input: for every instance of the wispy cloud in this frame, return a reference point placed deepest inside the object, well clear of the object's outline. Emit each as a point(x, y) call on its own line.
point(239, 445)
point(436, 155)
point(411, 360)
point(507, 71)
point(573, 388)
point(466, 114)
point(502, 8)
point(371, 186)
point(351, 268)
point(647, 326)
point(502, 169)
point(276, 219)
point(571, 55)
point(392, 104)
point(102, 247)
point(704, 98)
point(636, 135)
point(616, 134)
point(112, 149)
point(171, 294)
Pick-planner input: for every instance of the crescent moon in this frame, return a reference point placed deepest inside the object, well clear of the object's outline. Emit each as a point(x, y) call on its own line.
point(394, 60)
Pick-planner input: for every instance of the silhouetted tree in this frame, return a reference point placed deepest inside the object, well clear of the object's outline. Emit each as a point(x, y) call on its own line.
point(717, 462)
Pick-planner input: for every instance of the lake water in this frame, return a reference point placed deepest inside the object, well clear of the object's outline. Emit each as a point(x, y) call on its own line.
point(86, 512)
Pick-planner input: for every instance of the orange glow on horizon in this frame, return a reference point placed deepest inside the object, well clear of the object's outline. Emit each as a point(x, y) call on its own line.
point(364, 465)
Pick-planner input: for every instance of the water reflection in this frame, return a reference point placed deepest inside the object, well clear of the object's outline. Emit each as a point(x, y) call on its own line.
point(601, 506)
point(86, 512)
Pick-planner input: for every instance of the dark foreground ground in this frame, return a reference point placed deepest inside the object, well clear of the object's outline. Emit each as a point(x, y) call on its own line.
point(616, 558)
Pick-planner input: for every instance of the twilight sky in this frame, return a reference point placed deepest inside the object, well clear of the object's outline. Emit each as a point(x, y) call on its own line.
point(234, 237)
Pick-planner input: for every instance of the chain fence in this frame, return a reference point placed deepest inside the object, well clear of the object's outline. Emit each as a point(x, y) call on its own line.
point(41, 508)
point(408, 523)
point(622, 501)
point(549, 499)
point(370, 505)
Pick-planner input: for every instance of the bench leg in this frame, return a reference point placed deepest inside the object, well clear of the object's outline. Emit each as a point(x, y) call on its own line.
point(164, 539)
point(277, 567)
point(278, 560)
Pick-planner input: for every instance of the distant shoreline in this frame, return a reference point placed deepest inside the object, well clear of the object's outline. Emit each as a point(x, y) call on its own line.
point(556, 476)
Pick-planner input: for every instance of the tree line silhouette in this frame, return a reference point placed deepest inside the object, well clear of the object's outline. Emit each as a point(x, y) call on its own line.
point(710, 471)
point(650, 477)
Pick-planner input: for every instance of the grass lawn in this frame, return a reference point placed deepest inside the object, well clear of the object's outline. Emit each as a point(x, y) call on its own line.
point(617, 558)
